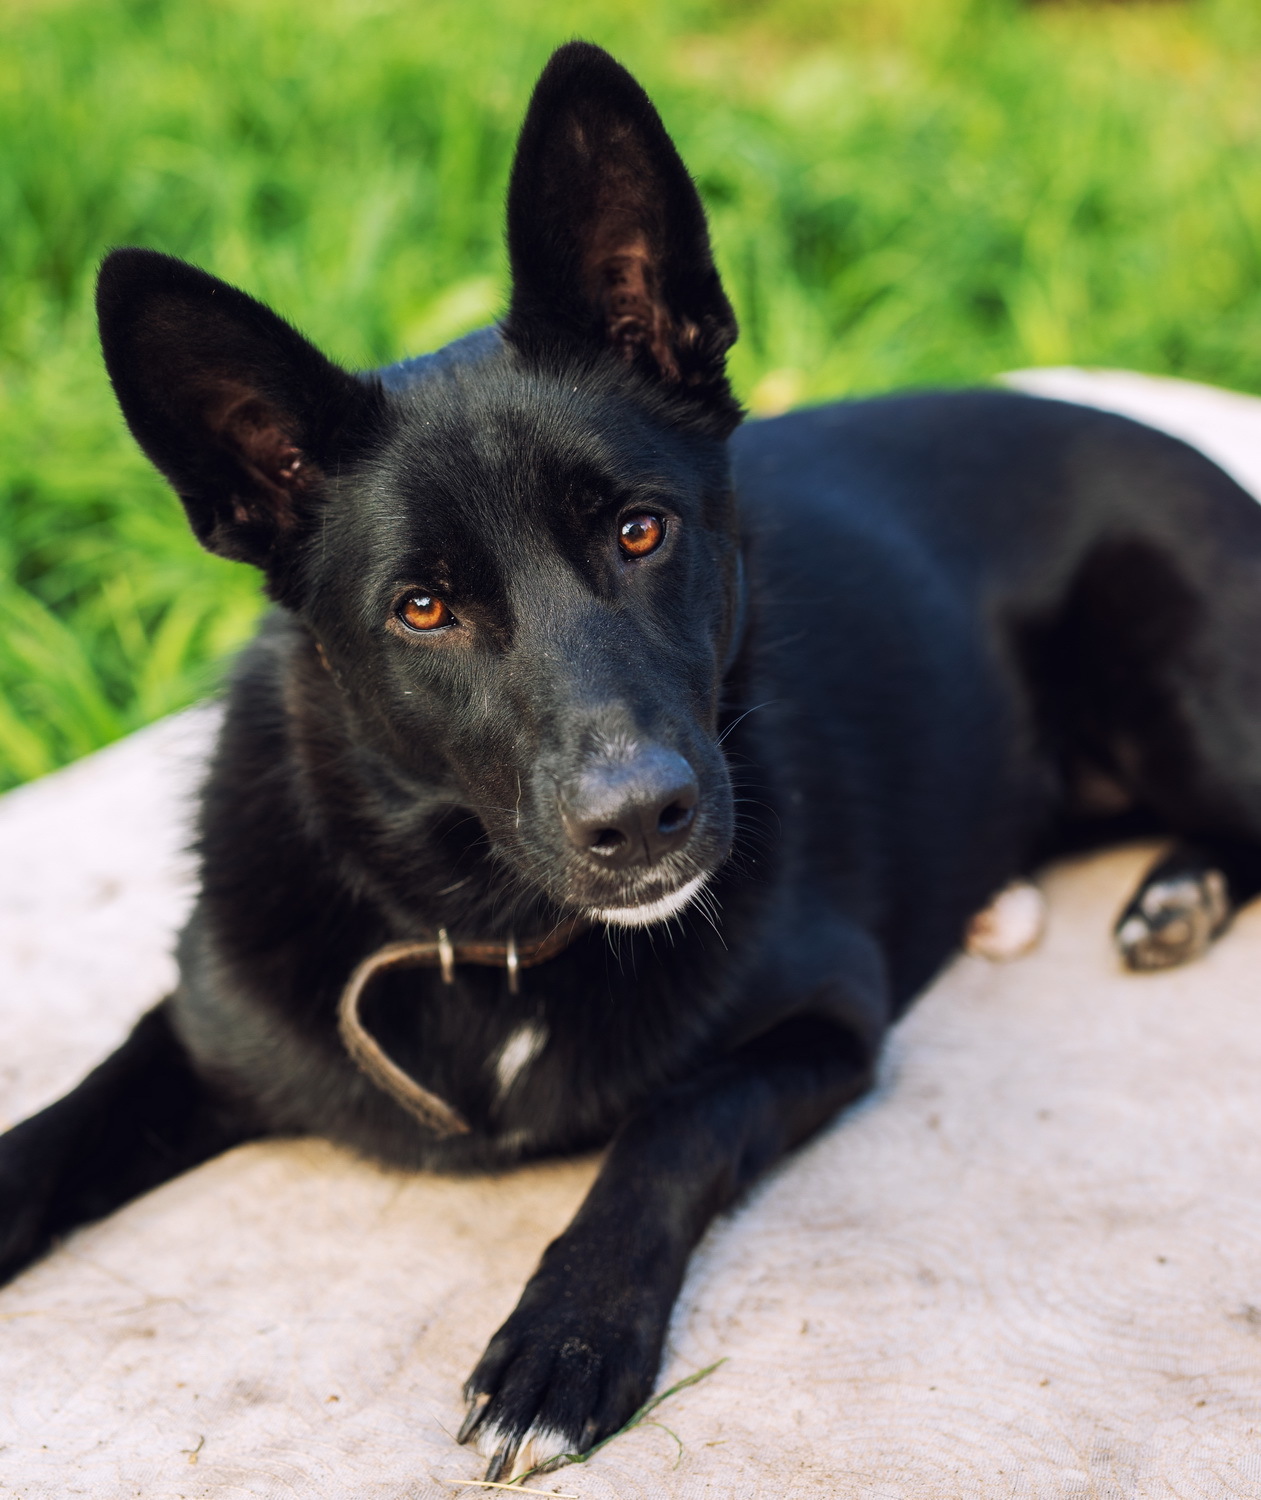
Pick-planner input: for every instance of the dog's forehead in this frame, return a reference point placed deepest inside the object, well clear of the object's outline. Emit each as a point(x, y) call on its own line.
point(504, 434)
point(484, 460)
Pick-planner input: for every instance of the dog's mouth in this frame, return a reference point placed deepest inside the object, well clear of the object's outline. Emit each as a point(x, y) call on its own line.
point(645, 913)
point(641, 896)
point(656, 891)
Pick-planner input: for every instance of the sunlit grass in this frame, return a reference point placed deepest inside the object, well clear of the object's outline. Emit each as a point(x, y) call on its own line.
point(902, 192)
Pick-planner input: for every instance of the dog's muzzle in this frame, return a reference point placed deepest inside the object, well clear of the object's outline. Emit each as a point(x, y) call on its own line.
point(631, 822)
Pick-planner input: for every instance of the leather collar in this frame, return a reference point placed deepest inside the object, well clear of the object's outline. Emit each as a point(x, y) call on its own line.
point(433, 1112)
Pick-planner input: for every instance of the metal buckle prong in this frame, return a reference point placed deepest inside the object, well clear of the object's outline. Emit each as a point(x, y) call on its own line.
point(446, 956)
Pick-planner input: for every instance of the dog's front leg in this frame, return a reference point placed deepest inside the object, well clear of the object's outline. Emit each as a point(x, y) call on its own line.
point(139, 1118)
point(581, 1351)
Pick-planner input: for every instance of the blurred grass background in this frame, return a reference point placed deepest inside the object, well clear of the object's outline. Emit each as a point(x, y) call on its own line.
point(902, 192)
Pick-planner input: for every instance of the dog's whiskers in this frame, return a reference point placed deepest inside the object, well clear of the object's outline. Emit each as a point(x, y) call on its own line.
point(770, 702)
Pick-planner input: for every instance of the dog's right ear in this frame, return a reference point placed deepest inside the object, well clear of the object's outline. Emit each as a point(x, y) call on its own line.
point(607, 237)
point(242, 415)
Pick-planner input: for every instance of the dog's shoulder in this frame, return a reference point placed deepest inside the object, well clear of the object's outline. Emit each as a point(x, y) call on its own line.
point(986, 424)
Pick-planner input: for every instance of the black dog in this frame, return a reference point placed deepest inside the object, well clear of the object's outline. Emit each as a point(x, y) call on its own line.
point(554, 653)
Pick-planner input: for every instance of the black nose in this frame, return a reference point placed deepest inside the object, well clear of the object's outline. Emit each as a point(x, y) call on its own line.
point(634, 811)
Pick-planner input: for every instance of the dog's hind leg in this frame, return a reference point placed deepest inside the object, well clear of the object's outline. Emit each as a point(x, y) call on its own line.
point(1184, 720)
point(1155, 679)
point(141, 1117)
point(1185, 901)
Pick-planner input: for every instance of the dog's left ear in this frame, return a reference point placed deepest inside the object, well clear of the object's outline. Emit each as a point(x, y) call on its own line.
point(607, 236)
point(243, 416)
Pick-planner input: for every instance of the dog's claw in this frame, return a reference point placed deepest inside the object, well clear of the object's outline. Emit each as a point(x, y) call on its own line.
point(501, 1463)
point(473, 1418)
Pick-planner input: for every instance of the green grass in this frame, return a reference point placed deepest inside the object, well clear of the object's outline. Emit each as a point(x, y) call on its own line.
point(902, 192)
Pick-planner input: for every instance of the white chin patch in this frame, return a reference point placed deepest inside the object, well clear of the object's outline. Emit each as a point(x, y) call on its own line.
point(537, 1446)
point(654, 911)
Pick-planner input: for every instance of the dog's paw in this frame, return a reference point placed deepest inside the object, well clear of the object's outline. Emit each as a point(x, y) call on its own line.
point(1173, 919)
point(1010, 926)
point(566, 1370)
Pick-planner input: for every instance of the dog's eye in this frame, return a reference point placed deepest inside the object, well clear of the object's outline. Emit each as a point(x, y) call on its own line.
point(640, 535)
point(423, 612)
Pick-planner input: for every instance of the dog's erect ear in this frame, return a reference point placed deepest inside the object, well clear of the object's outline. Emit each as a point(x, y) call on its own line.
point(606, 233)
point(239, 412)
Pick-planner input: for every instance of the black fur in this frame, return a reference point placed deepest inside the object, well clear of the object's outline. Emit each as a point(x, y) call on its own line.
point(882, 654)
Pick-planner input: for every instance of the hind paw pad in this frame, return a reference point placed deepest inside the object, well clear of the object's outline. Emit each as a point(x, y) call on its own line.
point(1173, 919)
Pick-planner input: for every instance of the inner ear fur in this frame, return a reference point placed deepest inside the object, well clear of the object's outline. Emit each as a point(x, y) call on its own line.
point(242, 415)
point(267, 445)
point(621, 272)
point(606, 233)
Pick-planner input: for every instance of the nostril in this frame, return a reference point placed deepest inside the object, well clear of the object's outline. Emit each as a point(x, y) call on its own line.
point(674, 818)
point(630, 811)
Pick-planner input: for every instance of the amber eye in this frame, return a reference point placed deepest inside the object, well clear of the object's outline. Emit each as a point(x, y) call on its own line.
point(423, 612)
point(640, 535)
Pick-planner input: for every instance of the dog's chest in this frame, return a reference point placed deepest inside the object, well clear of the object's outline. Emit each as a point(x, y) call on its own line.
point(559, 1061)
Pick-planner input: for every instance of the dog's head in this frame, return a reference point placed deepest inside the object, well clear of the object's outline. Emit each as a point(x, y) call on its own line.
point(518, 559)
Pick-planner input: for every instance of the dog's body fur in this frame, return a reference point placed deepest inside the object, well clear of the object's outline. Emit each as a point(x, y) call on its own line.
point(893, 656)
